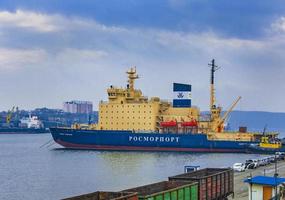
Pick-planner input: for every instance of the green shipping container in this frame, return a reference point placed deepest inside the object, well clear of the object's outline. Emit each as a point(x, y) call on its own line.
point(167, 190)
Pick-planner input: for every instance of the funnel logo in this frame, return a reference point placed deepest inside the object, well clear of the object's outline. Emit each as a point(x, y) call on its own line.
point(180, 95)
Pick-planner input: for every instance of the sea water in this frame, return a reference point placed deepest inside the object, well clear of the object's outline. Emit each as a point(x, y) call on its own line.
point(34, 167)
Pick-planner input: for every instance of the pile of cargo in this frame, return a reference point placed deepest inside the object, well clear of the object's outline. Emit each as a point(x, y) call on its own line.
point(106, 196)
point(182, 190)
point(204, 184)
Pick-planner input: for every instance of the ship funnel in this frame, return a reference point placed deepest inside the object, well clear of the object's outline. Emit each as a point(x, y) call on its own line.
point(182, 95)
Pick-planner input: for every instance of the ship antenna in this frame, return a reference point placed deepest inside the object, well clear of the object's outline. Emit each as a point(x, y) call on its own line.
point(214, 68)
point(264, 130)
point(132, 75)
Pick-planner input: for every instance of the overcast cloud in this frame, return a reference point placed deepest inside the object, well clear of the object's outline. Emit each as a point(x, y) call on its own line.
point(50, 54)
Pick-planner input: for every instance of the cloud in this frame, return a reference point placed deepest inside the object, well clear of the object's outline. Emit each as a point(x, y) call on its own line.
point(279, 25)
point(29, 20)
point(80, 55)
point(241, 19)
point(12, 59)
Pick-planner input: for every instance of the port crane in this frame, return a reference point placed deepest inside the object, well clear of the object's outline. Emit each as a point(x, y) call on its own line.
point(9, 115)
point(220, 123)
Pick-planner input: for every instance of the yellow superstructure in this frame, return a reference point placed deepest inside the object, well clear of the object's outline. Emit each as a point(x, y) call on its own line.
point(128, 109)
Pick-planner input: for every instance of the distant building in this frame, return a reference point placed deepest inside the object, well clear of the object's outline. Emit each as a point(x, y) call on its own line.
point(78, 107)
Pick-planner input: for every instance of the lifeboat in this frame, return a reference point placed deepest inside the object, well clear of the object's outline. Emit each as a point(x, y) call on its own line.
point(168, 124)
point(191, 123)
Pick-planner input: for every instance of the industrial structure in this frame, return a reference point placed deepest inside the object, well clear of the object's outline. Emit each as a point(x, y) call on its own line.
point(78, 107)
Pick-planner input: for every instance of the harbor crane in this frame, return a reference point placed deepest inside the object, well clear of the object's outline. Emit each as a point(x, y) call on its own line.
point(220, 123)
point(9, 115)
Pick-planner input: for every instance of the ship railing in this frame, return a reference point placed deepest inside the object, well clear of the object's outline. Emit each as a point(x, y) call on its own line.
point(146, 131)
point(254, 132)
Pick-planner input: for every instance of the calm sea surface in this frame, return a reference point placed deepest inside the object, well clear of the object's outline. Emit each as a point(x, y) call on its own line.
point(29, 171)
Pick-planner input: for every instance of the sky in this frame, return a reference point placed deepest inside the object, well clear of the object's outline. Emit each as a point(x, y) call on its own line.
point(60, 50)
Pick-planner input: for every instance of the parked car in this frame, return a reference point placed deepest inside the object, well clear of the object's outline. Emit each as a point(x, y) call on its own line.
point(267, 160)
point(280, 155)
point(263, 161)
point(251, 164)
point(272, 159)
point(239, 167)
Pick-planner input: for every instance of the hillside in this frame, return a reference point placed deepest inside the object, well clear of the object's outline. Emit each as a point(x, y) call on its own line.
point(257, 120)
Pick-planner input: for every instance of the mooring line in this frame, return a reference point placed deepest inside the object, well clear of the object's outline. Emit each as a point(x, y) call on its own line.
point(46, 143)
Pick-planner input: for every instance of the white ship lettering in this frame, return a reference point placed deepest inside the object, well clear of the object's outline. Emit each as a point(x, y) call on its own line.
point(153, 139)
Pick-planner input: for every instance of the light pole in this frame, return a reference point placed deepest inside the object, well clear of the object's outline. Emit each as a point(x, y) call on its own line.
point(275, 176)
point(250, 183)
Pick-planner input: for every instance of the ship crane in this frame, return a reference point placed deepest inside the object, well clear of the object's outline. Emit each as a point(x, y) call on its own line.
point(220, 122)
point(9, 115)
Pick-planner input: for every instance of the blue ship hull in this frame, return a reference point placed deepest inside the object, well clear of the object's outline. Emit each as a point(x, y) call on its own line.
point(23, 130)
point(129, 141)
